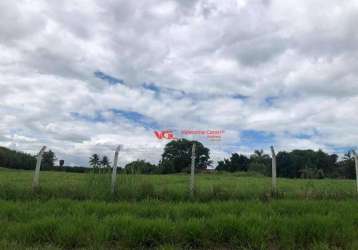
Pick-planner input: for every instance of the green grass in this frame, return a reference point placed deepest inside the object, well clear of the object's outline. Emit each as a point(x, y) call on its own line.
point(17, 185)
point(284, 224)
point(74, 211)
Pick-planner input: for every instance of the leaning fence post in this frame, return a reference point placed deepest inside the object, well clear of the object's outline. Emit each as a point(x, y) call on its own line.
point(35, 181)
point(192, 172)
point(356, 163)
point(274, 182)
point(114, 170)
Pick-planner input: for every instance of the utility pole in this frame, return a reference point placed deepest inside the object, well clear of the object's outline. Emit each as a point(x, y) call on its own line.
point(192, 173)
point(274, 182)
point(356, 163)
point(114, 170)
point(35, 181)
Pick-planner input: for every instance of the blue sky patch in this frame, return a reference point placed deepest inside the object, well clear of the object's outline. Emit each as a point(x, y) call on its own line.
point(256, 139)
point(271, 100)
point(108, 78)
point(151, 86)
point(342, 150)
point(305, 134)
point(174, 93)
point(133, 117)
point(137, 118)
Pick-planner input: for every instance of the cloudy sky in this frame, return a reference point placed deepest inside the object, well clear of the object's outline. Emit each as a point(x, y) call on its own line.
point(84, 76)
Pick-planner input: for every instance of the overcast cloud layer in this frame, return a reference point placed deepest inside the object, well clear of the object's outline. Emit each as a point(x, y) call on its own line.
point(82, 77)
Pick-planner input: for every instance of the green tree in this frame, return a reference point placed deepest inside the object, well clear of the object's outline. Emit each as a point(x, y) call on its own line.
point(105, 163)
point(221, 166)
point(237, 162)
point(224, 165)
point(309, 164)
point(177, 156)
point(48, 160)
point(326, 164)
point(261, 157)
point(140, 167)
point(15, 159)
point(260, 162)
point(285, 165)
point(94, 161)
point(346, 167)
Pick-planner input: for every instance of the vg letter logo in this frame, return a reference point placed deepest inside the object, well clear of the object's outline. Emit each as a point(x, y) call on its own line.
point(164, 134)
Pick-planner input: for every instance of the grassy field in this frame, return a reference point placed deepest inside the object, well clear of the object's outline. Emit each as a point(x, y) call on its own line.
point(227, 212)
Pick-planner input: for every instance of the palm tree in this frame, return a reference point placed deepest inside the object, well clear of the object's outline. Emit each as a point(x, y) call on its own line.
point(105, 162)
point(261, 156)
point(260, 162)
point(258, 153)
point(94, 161)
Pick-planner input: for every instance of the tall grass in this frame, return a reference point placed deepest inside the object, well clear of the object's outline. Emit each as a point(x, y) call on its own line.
point(284, 224)
point(16, 185)
point(71, 211)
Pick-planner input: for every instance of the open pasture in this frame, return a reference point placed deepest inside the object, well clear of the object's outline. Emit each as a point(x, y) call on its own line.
point(74, 211)
point(17, 185)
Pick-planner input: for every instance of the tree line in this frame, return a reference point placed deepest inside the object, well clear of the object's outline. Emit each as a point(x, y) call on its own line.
point(19, 160)
point(294, 164)
point(176, 158)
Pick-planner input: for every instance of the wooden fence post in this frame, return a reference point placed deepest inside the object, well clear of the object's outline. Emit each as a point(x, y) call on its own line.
point(35, 181)
point(274, 182)
point(192, 172)
point(356, 163)
point(114, 170)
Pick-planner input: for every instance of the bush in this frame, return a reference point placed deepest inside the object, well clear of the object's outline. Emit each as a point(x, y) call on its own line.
point(259, 168)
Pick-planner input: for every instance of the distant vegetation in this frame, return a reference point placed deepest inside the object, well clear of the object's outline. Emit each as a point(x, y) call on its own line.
point(141, 167)
point(294, 164)
point(176, 158)
point(17, 160)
